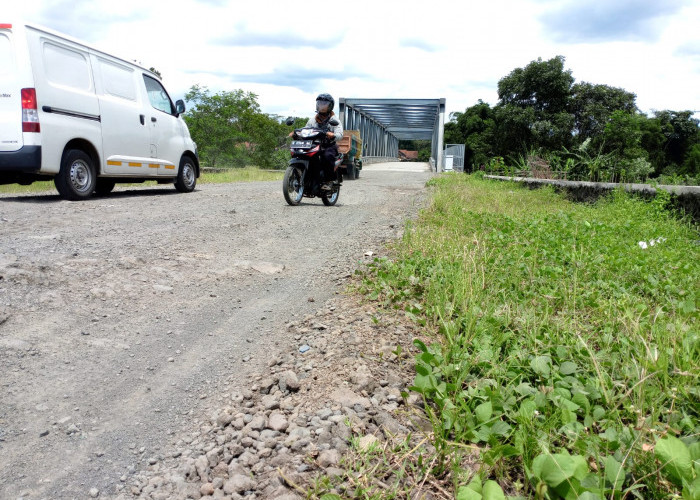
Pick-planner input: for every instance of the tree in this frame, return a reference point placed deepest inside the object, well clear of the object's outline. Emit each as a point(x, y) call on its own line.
point(622, 139)
point(542, 85)
point(681, 134)
point(583, 128)
point(267, 147)
point(533, 107)
point(424, 147)
point(592, 106)
point(513, 130)
point(691, 165)
point(475, 128)
point(653, 140)
point(622, 135)
point(223, 125)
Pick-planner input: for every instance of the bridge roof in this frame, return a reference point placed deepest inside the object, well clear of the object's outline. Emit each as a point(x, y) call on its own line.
point(404, 118)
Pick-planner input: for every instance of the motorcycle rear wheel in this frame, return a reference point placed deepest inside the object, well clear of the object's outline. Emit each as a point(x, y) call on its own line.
point(292, 186)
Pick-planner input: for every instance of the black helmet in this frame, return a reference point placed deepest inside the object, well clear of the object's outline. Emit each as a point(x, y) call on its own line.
point(324, 104)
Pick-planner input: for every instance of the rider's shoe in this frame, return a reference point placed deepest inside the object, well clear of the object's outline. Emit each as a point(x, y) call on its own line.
point(328, 186)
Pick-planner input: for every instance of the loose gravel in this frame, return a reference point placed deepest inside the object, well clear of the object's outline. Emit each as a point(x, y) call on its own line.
point(151, 342)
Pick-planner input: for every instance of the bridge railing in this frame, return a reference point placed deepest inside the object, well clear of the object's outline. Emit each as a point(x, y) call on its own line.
point(378, 159)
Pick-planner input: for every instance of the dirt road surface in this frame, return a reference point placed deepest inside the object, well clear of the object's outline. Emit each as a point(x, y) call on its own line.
point(121, 316)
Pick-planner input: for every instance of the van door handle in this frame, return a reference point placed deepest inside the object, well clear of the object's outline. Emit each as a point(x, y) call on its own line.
point(153, 119)
point(143, 119)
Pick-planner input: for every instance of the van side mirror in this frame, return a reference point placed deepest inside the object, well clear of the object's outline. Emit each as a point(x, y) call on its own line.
point(289, 121)
point(334, 122)
point(180, 106)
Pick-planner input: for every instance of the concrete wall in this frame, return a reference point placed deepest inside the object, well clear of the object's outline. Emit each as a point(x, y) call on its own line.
point(686, 198)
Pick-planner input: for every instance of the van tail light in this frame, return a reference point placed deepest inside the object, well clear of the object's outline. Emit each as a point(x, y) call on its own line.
point(30, 114)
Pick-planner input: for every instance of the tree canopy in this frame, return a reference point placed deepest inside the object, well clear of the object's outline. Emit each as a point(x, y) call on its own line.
point(230, 129)
point(543, 114)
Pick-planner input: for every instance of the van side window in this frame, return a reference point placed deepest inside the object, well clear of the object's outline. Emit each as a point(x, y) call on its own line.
point(158, 96)
point(66, 67)
point(7, 62)
point(117, 80)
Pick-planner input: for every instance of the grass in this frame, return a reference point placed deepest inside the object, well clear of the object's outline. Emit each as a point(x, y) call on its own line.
point(248, 174)
point(36, 187)
point(562, 349)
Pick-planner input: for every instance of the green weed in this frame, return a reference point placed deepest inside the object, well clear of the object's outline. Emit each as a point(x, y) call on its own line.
point(567, 342)
point(395, 468)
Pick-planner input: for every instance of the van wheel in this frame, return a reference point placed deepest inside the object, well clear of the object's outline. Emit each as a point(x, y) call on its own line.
point(104, 186)
point(186, 176)
point(76, 180)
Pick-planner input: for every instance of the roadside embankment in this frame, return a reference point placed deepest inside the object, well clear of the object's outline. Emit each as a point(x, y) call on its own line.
point(686, 198)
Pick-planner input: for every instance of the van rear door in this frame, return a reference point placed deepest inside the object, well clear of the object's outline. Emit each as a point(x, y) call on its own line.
point(10, 94)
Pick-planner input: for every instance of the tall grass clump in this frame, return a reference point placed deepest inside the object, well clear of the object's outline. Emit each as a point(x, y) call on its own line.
point(566, 340)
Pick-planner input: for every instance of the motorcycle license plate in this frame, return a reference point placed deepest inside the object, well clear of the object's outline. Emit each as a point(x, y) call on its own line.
point(301, 144)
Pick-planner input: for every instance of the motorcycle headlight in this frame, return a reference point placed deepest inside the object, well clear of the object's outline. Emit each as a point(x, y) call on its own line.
point(306, 133)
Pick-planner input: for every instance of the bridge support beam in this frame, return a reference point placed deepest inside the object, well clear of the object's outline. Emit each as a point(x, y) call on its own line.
point(438, 138)
point(383, 122)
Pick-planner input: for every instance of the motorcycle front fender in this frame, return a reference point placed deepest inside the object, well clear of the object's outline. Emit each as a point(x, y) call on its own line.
point(303, 165)
point(299, 163)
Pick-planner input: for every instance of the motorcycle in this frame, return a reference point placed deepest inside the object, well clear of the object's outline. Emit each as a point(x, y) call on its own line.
point(303, 174)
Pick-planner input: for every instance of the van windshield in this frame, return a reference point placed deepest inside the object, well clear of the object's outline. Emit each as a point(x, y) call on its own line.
point(157, 95)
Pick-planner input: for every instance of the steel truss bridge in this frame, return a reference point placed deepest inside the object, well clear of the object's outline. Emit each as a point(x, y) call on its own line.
point(383, 122)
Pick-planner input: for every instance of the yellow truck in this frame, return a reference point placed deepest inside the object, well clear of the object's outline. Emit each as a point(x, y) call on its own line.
point(351, 148)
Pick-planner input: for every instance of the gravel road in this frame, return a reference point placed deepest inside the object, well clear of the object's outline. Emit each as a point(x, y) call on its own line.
point(122, 318)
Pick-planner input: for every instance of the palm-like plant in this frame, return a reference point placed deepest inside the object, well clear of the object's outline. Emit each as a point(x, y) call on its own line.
point(589, 163)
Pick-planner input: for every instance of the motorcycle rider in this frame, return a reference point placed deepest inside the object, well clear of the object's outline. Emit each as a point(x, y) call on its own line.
point(328, 153)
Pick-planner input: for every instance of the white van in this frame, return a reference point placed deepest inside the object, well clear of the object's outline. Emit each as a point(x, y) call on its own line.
point(85, 118)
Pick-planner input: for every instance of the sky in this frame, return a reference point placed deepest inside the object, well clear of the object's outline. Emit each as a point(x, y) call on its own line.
point(287, 52)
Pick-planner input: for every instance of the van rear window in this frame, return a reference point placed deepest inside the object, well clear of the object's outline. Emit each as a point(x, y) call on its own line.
point(66, 67)
point(7, 60)
point(117, 80)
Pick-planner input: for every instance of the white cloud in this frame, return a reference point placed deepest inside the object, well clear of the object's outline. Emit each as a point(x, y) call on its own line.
point(286, 52)
point(631, 20)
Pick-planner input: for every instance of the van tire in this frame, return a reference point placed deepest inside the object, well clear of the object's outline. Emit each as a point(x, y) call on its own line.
point(77, 178)
point(104, 186)
point(186, 176)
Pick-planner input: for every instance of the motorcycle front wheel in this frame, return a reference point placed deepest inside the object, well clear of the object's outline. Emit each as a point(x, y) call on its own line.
point(329, 199)
point(293, 186)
